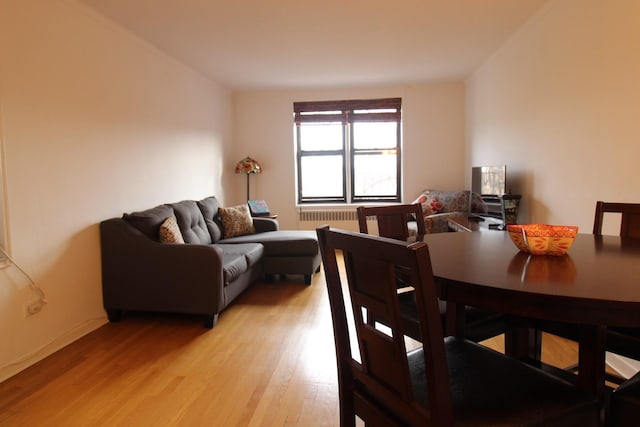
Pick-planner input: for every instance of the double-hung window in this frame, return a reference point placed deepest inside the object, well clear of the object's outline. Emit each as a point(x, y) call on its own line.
point(348, 151)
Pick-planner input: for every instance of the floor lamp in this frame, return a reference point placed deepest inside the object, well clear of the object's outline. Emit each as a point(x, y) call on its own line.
point(248, 166)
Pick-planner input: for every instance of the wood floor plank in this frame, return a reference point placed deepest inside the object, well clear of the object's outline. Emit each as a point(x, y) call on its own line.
point(269, 362)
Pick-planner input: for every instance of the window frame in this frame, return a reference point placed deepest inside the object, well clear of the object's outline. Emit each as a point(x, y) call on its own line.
point(348, 112)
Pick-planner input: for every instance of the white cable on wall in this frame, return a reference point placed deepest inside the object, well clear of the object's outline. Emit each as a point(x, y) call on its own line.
point(35, 306)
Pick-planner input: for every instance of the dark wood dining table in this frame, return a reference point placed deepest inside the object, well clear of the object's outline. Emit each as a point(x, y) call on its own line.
point(595, 285)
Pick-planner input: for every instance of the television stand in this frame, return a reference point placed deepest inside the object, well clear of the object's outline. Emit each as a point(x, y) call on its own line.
point(504, 207)
point(502, 210)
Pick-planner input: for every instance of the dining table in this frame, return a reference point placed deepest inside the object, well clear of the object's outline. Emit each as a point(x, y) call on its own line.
point(594, 285)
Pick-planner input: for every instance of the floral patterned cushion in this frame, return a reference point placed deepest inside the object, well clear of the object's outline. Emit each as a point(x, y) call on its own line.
point(436, 201)
point(477, 204)
point(429, 205)
point(236, 221)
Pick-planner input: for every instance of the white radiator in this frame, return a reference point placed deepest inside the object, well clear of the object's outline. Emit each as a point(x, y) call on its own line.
point(328, 215)
point(339, 218)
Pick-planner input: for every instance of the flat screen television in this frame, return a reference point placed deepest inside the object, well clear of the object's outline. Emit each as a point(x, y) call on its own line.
point(489, 180)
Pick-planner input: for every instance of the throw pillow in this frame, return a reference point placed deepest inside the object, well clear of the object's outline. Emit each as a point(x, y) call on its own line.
point(430, 203)
point(236, 221)
point(477, 204)
point(170, 232)
point(451, 201)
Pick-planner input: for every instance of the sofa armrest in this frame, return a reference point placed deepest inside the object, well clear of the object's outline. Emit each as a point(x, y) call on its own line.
point(265, 224)
point(439, 223)
point(141, 274)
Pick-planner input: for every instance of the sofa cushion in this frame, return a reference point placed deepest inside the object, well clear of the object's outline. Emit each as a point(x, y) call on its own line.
point(170, 232)
point(439, 223)
point(477, 204)
point(283, 242)
point(150, 220)
point(436, 201)
point(252, 252)
point(430, 205)
point(209, 208)
point(238, 258)
point(233, 265)
point(236, 221)
point(191, 222)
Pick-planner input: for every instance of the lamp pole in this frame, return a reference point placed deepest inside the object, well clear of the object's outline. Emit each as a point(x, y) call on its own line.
point(248, 166)
point(248, 186)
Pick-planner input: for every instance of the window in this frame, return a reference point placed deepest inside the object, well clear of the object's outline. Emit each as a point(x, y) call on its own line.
point(348, 151)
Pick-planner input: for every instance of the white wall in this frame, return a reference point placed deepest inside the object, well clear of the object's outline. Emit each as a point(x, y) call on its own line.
point(94, 123)
point(558, 103)
point(433, 139)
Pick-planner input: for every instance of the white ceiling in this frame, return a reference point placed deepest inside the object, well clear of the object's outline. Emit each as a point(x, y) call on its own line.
point(251, 44)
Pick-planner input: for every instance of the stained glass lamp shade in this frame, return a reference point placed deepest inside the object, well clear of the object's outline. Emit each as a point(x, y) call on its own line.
point(248, 166)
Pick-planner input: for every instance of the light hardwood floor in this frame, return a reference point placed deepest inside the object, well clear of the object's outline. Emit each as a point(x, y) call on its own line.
point(269, 362)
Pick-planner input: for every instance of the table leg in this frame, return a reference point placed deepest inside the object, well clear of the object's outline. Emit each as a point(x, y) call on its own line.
point(454, 319)
point(591, 358)
point(523, 342)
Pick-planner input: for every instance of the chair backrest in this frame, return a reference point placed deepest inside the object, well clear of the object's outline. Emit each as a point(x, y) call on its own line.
point(630, 221)
point(375, 379)
point(393, 220)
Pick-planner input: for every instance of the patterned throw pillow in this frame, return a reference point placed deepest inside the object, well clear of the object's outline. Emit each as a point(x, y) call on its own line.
point(430, 204)
point(236, 221)
point(170, 232)
point(436, 201)
point(477, 204)
point(452, 201)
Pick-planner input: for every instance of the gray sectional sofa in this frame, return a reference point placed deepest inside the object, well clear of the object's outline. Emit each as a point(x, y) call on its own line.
point(203, 275)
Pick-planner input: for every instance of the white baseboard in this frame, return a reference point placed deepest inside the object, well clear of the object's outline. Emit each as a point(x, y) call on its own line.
point(48, 349)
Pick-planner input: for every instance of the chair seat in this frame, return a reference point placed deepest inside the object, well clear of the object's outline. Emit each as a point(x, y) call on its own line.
point(484, 393)
point(479, 324)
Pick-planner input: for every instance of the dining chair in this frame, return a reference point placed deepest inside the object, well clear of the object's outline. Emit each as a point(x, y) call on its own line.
point(393, 222)
point(622, 341)
point(445, 381)
point(624, 406)
point(629, 218)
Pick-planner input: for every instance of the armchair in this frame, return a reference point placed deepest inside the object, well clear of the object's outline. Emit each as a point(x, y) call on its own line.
point(439, 206)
